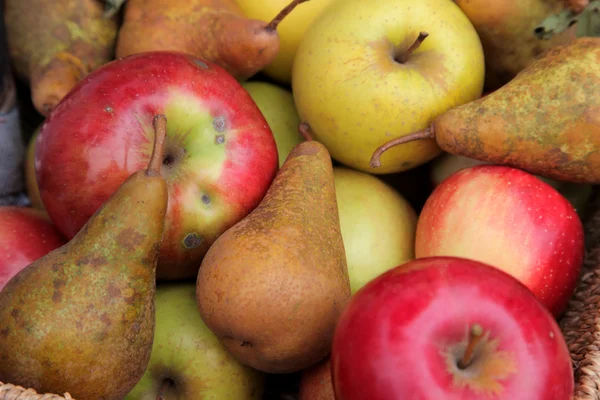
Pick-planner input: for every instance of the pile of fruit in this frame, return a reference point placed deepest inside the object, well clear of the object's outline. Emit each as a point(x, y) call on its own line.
point(324, 199)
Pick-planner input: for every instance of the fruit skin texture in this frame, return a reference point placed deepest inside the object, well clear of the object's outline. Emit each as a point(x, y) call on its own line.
point(355, 97)
point(273, 285)
point(510, 219)
point(506, 29)
point(291, 30)
point(53, 45)
point(556, 92)
point(278, 108)
point(102, 132)
point(26, 234)
point(378, 225)
point(81, 318)
point(402, 335)
point(316, 382)
point(191, 356)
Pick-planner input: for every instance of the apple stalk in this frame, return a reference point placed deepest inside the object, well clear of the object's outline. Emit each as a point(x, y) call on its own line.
point(160, 132)
point(164, 388)
point(402, 58)
point(474, 338)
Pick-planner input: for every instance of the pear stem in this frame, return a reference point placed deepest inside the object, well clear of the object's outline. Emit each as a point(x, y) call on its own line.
point(162, 391)
point(428, 133)
point(160, 133)
point(474, 338)
point(405, 56)
point(304, 130)
point(272, 26)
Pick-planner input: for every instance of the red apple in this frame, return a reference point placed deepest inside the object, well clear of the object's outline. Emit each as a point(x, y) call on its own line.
point(448, 328)
point(316, 383)
point(220, 154)
point(26, 234)
point(510, 219)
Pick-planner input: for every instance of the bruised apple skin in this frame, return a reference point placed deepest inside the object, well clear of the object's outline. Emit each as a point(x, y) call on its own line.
point(220, 154)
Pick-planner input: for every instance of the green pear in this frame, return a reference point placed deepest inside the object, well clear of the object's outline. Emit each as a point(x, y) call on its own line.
point(187, 361)
point(378, 225)
point(277, 106)
point(368, 71)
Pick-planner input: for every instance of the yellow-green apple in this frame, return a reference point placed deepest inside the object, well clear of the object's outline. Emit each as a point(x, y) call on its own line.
point(378, 225)
point(31, 186)
point(445, 165)
point(220, 155)
point(187, 361)
point(449, 328)
point(510, 219)
point(291, 30)
point(26, 234)
point(365, 72)
point(277, 106)
point(316, 382)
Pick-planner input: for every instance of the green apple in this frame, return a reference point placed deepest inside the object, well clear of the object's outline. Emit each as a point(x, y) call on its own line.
point(290, 30)
point(277, 106)
point(187, 361)
point(378, 225)
point(361, 78)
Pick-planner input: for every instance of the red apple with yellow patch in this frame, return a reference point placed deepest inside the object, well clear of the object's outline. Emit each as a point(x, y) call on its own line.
point(511, 220)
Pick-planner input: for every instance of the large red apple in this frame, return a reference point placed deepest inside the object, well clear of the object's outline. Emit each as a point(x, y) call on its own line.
point(26, 234)
point(448, 328)
point(510, 219)
point(220, 154)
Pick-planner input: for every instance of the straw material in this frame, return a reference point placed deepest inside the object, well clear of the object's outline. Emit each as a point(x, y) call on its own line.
point(13, 392)
point(581, 322)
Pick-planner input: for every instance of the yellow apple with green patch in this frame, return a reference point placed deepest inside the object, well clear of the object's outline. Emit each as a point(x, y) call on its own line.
point(369, 71)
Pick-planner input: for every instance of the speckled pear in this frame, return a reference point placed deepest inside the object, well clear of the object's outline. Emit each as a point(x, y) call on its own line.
point(81, 319)
point(545, 121)
point(273, 286)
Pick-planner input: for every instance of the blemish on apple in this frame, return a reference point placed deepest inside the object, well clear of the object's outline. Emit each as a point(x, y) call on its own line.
point(201, 64)
point(219, 124)
point(108, 109)
point(219, 139)
point(205, 199)
point(192, 240)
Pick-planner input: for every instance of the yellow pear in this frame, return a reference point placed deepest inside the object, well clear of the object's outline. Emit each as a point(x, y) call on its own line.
point(378, 225)
point(291, 30)
point(368, 71)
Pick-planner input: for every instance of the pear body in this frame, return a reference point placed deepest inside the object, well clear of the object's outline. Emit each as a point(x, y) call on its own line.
point(545, 121)
point(272, 287)
point(81, 318)
point(506, 29)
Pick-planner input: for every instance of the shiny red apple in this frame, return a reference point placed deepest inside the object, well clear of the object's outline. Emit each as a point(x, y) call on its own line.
point(26, 234)
point(510, 219)
point(220, 155)
point(452, 329)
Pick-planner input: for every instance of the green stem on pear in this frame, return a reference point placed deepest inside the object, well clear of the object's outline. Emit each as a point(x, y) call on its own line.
point(160, 133)
point(402, 58)
point(304, 130)
point(272, 26)
point(428, 133)
point(474, 338)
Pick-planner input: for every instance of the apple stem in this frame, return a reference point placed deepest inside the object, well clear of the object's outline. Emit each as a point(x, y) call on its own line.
point(474, 338)
point(160, 133)
point(304, 130)
point(405, 56)
point(428, 133)
point(272, 26)
point(162, 391)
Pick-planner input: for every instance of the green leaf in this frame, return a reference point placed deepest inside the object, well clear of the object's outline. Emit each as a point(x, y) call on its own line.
point(588, 22)
point(112, 7)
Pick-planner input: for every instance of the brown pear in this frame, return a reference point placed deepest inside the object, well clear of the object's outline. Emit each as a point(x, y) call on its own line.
point(506, 29)
point(272, 286)
point(81, 319)
point(545, 121)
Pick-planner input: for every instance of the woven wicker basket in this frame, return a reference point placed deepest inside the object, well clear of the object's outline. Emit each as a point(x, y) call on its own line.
point(580, 324)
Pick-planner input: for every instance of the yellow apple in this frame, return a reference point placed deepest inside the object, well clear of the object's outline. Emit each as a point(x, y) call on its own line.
point(357, 85)
point(378, 225)
point(290, 30)
point(277, 106)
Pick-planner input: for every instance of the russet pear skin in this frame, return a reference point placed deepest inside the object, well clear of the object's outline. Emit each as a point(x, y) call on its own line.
point(272, 287)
